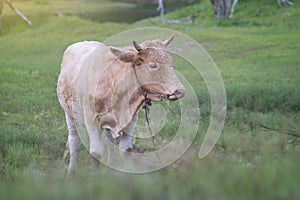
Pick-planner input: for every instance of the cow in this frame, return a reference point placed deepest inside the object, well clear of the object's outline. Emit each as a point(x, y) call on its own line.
point(103, 87)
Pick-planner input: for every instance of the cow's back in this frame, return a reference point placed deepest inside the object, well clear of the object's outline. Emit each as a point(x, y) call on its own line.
point(74, 59)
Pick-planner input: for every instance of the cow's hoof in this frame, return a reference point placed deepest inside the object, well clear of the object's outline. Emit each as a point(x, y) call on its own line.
point(129, 149)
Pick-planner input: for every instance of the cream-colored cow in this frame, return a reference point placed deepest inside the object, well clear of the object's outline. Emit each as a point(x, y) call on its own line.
point(102, 88)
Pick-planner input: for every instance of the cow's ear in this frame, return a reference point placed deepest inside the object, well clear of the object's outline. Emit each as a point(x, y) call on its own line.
point(123, 54)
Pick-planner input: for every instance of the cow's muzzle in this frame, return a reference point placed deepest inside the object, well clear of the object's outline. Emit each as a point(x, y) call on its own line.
point(177, 94)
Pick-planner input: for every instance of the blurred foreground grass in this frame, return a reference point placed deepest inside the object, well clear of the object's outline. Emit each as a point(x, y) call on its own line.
point(260, 66)
point(210, 179)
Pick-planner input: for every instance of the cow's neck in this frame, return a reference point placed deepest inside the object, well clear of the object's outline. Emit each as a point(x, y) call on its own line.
point(136, 94)
point(127, 97)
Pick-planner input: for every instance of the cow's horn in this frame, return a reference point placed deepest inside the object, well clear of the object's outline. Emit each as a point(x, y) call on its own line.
point(168, 41)
point(137, 46)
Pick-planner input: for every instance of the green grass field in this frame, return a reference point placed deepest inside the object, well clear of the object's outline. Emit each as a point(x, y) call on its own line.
point(257, 54)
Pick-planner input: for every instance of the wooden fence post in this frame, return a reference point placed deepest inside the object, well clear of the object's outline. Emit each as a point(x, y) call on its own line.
point(18, 12)
point(161, 9)
point(1, 11)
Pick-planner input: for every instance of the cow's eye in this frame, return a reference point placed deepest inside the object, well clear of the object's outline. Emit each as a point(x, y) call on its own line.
point(153, 66)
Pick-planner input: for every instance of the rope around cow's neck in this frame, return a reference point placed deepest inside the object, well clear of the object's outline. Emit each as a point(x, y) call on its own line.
point(146, 108)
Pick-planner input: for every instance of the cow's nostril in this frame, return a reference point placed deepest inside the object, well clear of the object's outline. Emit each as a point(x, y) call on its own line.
point(179, 92)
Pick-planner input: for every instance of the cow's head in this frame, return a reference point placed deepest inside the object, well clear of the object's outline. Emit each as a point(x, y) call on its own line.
point(154, 68)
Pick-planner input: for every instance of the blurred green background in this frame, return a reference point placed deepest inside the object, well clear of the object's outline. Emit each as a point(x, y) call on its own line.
point(257, 52)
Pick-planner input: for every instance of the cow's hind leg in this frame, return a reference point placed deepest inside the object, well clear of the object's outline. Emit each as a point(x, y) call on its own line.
point(74, 144)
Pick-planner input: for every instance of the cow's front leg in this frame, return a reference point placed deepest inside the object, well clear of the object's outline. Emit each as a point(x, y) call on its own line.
point(73, 143)
point(96, 145)
point(125, 144)
point(111, 142)
point(126, 139)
